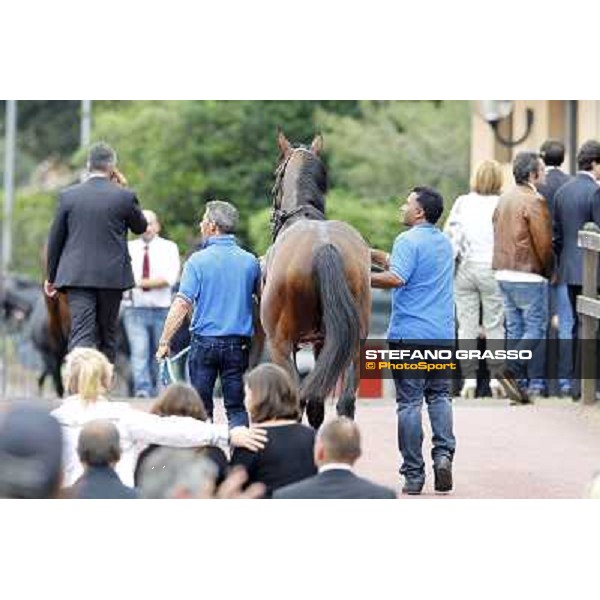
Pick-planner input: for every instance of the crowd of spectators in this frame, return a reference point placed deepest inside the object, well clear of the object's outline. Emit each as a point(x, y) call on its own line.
point(92, 447)
point(518, 266)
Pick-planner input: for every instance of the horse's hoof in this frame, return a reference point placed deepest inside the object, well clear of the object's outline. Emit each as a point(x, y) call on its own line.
point(315, 412)
point(346, 408)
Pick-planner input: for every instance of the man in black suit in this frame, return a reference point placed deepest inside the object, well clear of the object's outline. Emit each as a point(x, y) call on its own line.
point(87, 251)
point(337, 448)
point(99, 451)
point(575, 203)
point(552, 153)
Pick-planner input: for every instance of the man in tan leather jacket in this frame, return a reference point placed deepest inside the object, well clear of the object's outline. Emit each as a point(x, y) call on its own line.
point(523, 263)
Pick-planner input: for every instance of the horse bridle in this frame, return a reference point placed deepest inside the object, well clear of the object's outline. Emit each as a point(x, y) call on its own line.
point(280, 216)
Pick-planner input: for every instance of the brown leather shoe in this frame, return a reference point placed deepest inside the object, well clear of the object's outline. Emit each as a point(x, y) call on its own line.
point(513, 390)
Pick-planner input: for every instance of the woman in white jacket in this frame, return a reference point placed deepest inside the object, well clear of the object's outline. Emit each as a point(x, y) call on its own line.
point(471, 231)
point(88, 378)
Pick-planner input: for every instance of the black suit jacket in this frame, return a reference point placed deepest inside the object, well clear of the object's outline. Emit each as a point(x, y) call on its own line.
point(554, 179)
point(575, 203)
point(101, 483)
point(87, 244)
point(337, 484)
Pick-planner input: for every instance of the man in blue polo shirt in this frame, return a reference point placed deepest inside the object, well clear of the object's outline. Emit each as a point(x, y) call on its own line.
point(218, 283)
point(420, 271)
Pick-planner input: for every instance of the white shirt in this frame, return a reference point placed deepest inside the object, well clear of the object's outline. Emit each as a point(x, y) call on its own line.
point(518, 276)
point(163, 256)
point(472, 215)
point(136, 428)
point(335, 467)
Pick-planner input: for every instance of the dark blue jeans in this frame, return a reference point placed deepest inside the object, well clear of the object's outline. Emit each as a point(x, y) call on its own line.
point(225, 357)
point(560, 305)
point(410, 392)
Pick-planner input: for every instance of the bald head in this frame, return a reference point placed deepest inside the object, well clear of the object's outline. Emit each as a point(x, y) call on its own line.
point(153, 228)
point(99, 444)
point(150, 215)
point(338, 440)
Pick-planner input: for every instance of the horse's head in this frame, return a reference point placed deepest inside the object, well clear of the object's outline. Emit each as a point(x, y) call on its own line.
point(300, 177)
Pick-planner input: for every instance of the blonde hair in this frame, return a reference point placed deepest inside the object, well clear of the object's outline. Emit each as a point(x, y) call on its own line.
point(487, 179)
point(88, 373)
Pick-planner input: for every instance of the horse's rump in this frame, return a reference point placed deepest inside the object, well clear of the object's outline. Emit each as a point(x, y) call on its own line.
point(318, 290)
point(289, 273)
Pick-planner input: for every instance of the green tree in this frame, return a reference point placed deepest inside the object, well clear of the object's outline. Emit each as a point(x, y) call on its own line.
point(392, 146)
point(32, 216)
point(178, 155)
point(377, 222)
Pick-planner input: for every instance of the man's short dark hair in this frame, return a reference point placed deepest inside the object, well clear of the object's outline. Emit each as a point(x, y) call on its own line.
point(524, 164)
point(431, 202)
point(588, 153)
point(341, 440)
point(98, 444)
point(553, 153)
point(101, 157)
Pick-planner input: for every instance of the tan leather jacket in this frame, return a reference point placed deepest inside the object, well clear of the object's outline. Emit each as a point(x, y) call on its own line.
point(523, 232)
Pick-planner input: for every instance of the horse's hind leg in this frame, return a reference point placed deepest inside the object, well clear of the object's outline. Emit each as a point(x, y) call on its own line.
point(40, 382)
point(58, 383)
point(281, 354)
point(315, 407)
point(347, 402)
point(53, 369)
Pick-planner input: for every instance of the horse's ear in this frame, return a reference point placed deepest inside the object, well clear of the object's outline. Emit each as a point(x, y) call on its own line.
point(284, 146)
point(317, 145)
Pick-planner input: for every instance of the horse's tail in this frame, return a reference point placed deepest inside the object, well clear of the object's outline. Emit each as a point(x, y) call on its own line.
point(341, 323)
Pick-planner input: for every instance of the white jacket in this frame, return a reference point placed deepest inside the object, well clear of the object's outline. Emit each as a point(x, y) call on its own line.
point(137, 429)
point(471, 216)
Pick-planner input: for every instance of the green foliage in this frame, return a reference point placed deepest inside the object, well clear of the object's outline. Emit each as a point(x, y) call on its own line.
point(179, 155)
point(393, 146)
point(47, 127)
point(377, 222)
point(32, 215)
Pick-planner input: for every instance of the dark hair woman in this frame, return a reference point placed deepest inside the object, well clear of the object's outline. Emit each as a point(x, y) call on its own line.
point(271, 400)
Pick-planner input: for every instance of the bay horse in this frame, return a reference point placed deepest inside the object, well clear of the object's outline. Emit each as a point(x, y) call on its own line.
point(50, 333)
point(316, 283)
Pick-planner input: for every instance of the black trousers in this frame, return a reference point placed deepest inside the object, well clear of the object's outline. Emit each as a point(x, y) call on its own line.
point(94, 319)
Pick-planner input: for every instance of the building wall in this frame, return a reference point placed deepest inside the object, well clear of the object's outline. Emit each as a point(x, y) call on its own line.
point(551, 119)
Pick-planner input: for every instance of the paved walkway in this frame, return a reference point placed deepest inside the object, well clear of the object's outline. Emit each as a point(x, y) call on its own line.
point(548, 450)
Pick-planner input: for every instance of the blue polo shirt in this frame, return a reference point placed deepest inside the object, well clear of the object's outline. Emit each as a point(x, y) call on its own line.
point(423, 308)
point(219, 281)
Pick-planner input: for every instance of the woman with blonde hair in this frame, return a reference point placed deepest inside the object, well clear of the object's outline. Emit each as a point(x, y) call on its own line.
point(476, 291)
point(88, 378)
